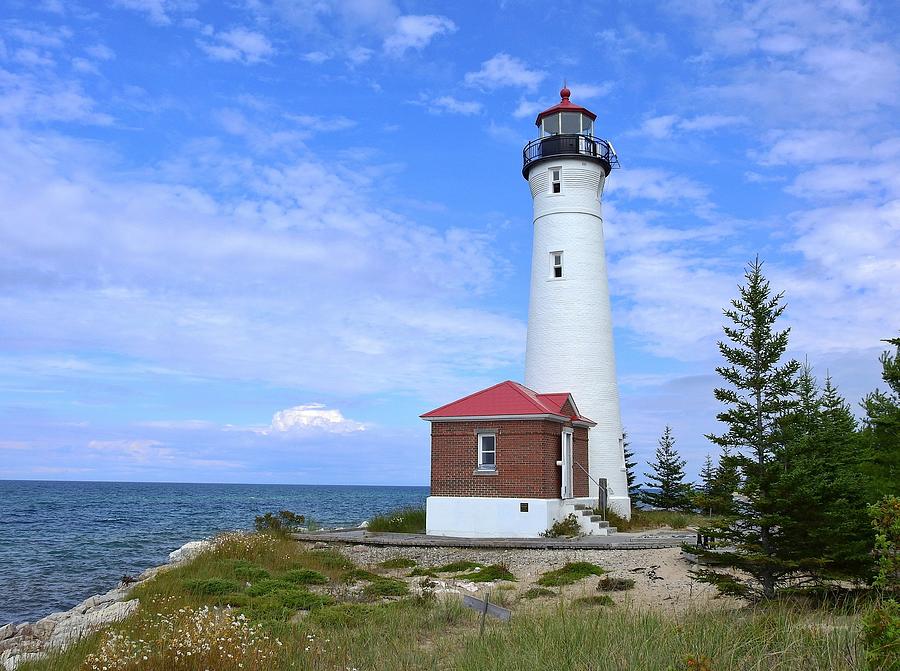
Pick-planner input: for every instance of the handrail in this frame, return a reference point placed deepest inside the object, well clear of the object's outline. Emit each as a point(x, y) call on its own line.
point(568, 144)
point(599, 488)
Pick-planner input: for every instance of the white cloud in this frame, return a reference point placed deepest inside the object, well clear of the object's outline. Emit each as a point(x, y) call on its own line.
point(137, 450)
point(662, 127)
point(238, 44)
point(100, 52)
point(454, 106)
point(313, 416)
point(504, 70)
point(158, 12)
point(416, 32)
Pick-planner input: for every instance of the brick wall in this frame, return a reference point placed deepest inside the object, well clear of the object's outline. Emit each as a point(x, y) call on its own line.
point(527, 452)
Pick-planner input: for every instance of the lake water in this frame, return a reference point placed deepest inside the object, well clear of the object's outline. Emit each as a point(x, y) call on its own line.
point(61, 542)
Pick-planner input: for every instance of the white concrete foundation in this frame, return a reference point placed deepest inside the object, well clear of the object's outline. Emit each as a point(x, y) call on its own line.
point(491, 517)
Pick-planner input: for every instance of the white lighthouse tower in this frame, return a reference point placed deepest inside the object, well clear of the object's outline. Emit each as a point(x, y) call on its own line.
point(570, 337)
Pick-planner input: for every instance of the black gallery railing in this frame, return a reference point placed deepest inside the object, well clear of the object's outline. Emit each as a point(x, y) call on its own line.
point(564, 145)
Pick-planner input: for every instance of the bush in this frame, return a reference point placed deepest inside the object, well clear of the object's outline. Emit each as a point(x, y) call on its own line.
point(885, 516)
point(570, 573)
point(281, 523)
point(305, 576)
point(246, 570)
point(212, 586)
point(881, 637)
point(405, 520)
point(268, 586)
point(386, 587)
point(488, 574)
point(538, 593)
point(567, 527)
point(609, 584)
point(397, 562)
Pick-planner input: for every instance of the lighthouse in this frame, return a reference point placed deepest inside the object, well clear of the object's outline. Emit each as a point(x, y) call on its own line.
point(570, 335)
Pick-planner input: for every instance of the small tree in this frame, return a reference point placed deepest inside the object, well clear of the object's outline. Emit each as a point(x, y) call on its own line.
point(881, 433)
point(667, 476)
point(634, 491)
point(704, 492)
point(726, 482)
point(759, 391)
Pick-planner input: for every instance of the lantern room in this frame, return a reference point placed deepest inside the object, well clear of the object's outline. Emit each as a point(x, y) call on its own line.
point(566, 118)
point(567, 129)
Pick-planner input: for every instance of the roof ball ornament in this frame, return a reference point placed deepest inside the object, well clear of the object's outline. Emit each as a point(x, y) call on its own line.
point(564, 92)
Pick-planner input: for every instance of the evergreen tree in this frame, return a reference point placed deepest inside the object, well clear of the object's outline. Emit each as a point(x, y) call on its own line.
point(822, 491)
point(881, 434)
point(634, 490)
point(725, 483)
point(668, 477)
point(703, 497)
point(760, 391)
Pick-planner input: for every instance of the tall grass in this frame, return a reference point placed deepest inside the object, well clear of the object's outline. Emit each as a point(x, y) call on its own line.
point(345, 623)
point(405, 520)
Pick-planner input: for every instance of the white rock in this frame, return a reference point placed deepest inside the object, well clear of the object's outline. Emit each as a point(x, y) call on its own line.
point(7, 631)
point(188, 551)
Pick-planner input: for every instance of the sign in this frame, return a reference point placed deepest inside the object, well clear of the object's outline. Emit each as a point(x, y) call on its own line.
point(485, 607)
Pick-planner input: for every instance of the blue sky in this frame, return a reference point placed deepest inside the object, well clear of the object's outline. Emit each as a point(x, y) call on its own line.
point(252, 241)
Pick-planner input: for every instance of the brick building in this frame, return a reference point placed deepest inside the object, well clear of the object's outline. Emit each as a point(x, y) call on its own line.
point(506, 461)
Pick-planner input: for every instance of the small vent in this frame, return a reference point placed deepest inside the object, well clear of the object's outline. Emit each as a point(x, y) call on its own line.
point(539, 182)
point(578, 178)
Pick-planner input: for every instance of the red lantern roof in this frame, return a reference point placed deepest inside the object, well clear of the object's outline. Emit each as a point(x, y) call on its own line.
point(564, 105)
point(510, 399)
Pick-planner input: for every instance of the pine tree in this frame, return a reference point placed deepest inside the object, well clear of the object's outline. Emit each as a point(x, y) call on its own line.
point(760, 391)
point(881, 433)
point(725, 483)
point(822, 490)
point(704, 493)
point(634, 490)
point(667, 476)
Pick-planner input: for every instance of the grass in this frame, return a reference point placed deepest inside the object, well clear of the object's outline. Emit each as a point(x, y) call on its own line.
point(405, 633)
point(598, 600)
point(397, 563)
point(538, 593)
point(569, 574)
point(643, 520)
point(405, 520)
point(305, 576)
point(610, 584)
point(488, 574)
point(567, 527)
point(453, 567)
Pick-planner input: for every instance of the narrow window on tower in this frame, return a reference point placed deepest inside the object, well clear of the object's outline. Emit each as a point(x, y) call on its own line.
point(487, 452)
point(555, 180)
point(556, 264)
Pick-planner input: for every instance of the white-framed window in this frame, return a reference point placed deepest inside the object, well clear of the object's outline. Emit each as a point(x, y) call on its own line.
point(555, 180)
point(569, 123)
point(487, 451)
point(556, 265)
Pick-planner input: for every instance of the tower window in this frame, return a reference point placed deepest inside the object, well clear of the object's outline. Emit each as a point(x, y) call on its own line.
point(555, 180)
point(556, 264)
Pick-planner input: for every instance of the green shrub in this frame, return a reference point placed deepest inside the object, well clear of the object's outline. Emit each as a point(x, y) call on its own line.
point(212, 586)
point(458, 566)
point(325, 560)
point(488, 574)
point(567, 527)
point(268, 586)
point(397, 562)
point(341, 616)
point(357, 574)
point(538, 593)
point(881, 637)
point(305, 576)
point(246, 570)
point(405, 520)
point(599, 600)
point(386, 587)
point(609, 584)
point(299, 599)
point(282, 522)
point(570, 573)
point(885, 516)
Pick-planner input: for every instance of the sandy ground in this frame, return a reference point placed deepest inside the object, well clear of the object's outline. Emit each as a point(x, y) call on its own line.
point(662, 581)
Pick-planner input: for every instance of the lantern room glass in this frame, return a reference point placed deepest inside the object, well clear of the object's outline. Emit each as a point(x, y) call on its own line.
point(566, 123)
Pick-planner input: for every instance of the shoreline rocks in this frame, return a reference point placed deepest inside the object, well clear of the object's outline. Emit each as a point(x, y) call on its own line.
point(26, 641)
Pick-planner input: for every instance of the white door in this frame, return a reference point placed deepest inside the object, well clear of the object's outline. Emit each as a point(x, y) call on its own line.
point(567, 465)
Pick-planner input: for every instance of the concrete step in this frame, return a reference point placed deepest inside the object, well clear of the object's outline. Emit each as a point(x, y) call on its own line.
point(582, 506)
point(596, 519)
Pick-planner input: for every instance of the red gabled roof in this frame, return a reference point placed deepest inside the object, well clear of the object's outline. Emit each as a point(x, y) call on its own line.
point(564, 105)
point(507, 399)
